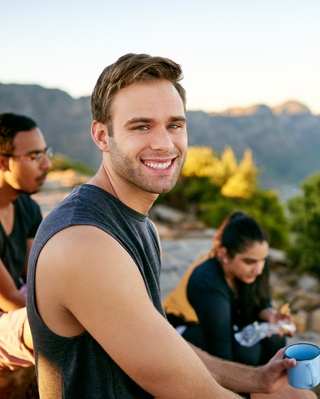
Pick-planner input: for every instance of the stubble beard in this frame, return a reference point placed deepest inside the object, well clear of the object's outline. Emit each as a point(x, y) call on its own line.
point(125, 168)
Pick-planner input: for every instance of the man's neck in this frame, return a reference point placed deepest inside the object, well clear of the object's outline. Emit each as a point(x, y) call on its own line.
point(7, 194)
point(127, 193)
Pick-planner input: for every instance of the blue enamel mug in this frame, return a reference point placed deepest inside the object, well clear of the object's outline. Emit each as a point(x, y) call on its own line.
point(306, 373)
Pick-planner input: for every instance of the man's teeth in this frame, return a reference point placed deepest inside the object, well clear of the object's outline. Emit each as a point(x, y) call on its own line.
point(158, 165)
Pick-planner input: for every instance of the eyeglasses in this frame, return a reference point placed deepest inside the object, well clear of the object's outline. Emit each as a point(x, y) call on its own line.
point(36, 156)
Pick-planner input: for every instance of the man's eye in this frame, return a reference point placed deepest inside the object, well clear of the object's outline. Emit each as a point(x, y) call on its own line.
point(173, 126)
point(33, 157)
point(141, 128)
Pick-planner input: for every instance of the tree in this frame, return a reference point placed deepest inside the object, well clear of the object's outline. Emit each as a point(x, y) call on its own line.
point(242, 184)
point(236, 181)
point(213, 188)
point(200, 162)
point(264, 206)
point(226, 168)
point(305, 223)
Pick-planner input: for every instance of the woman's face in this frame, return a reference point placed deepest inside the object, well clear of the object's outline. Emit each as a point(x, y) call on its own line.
point(248, 265)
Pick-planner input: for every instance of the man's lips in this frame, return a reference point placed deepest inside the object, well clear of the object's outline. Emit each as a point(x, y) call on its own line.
point(42, 178)
point(158, 165)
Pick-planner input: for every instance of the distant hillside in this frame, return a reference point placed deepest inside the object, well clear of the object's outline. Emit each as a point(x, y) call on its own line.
point(285, 140)
point(64, 121)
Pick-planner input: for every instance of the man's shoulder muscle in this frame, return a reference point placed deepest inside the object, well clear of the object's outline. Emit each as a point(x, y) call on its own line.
point(75, 262)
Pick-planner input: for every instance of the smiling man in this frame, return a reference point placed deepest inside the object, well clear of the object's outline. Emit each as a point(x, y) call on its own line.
point(24, 165)
point(94, 302)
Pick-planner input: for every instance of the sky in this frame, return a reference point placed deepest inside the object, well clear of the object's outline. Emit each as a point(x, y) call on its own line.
point(234, 53)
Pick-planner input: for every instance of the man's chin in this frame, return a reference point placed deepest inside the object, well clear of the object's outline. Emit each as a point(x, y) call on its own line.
point(29, 192)
point(163, 189)
point(160, 191)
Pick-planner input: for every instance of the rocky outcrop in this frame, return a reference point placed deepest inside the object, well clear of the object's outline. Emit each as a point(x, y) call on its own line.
point(302, 291)
point(291, 108)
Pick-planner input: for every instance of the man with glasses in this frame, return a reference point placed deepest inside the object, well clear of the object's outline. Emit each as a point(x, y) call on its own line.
point(24, 163)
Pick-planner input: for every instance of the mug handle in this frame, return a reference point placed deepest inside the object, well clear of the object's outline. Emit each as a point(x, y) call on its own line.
point(313, 375)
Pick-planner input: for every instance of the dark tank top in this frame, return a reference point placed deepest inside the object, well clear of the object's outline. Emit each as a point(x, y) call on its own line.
point(78, 367)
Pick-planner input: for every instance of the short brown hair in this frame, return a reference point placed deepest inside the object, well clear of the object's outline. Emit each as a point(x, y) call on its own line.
point(129, 69)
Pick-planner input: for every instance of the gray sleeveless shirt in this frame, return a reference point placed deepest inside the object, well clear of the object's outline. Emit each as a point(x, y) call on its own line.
point(78, 367)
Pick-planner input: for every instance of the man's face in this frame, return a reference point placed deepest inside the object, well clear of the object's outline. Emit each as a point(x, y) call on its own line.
point(25, 175)
point(149, 144)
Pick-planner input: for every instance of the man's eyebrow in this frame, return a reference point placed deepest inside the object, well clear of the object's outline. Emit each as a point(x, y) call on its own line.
point(138, 120)
point(148, 120)
point(178, 118)
point(36, 151)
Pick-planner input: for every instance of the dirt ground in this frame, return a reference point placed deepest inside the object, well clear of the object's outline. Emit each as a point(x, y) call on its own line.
point(19, 384)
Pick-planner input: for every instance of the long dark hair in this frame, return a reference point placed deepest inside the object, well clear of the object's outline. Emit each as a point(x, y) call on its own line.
point(237, 233)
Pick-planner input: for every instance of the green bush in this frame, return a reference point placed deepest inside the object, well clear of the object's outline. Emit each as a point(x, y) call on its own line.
point(214, 213)
point(305, 223)
point(263, 206)
point(205, 199)
point(63, 162)
point(189, 192)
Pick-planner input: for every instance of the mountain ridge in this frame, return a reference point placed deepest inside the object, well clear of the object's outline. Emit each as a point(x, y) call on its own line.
point(290, 107)
point(285, 140)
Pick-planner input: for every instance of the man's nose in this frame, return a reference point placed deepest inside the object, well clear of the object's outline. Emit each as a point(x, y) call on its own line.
point(45, 163)
point(161, 140)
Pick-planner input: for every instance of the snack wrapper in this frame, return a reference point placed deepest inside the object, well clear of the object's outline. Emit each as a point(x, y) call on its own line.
point(255, 332)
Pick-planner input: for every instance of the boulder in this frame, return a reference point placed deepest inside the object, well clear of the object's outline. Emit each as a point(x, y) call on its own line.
point(277, 256)
point(314, 321)
point(303, 300)
point(309, 283)
point(301, 319)
point(170, 215)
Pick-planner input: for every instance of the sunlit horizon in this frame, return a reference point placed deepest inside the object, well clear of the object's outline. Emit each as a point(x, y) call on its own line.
point(233, 54)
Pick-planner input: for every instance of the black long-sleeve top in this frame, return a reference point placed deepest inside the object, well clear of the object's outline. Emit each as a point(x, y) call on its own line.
point(220, 313)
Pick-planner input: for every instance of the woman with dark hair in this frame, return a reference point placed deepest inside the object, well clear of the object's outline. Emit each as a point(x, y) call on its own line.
point(224, 291)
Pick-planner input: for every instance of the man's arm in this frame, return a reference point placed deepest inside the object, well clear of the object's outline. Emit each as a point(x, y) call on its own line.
point(92, 283)
point(241, 378)
point(10, 297)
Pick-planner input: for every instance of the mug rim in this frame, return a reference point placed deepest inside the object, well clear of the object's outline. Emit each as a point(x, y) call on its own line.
point(301, 343)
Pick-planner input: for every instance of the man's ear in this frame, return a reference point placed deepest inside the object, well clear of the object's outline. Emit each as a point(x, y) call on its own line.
point(4, 163)
point(99, 133)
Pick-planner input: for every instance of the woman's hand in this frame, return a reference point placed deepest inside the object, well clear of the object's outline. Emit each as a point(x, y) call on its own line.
point(272, 316)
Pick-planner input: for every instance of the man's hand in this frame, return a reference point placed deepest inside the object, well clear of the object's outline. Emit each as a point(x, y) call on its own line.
point(273, 375)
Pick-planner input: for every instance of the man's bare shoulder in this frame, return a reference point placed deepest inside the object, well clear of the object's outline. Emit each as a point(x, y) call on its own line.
point(70, 249)
point(74, 265)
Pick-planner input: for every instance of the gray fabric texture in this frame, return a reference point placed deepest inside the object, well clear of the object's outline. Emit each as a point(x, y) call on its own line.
point(78, 367)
